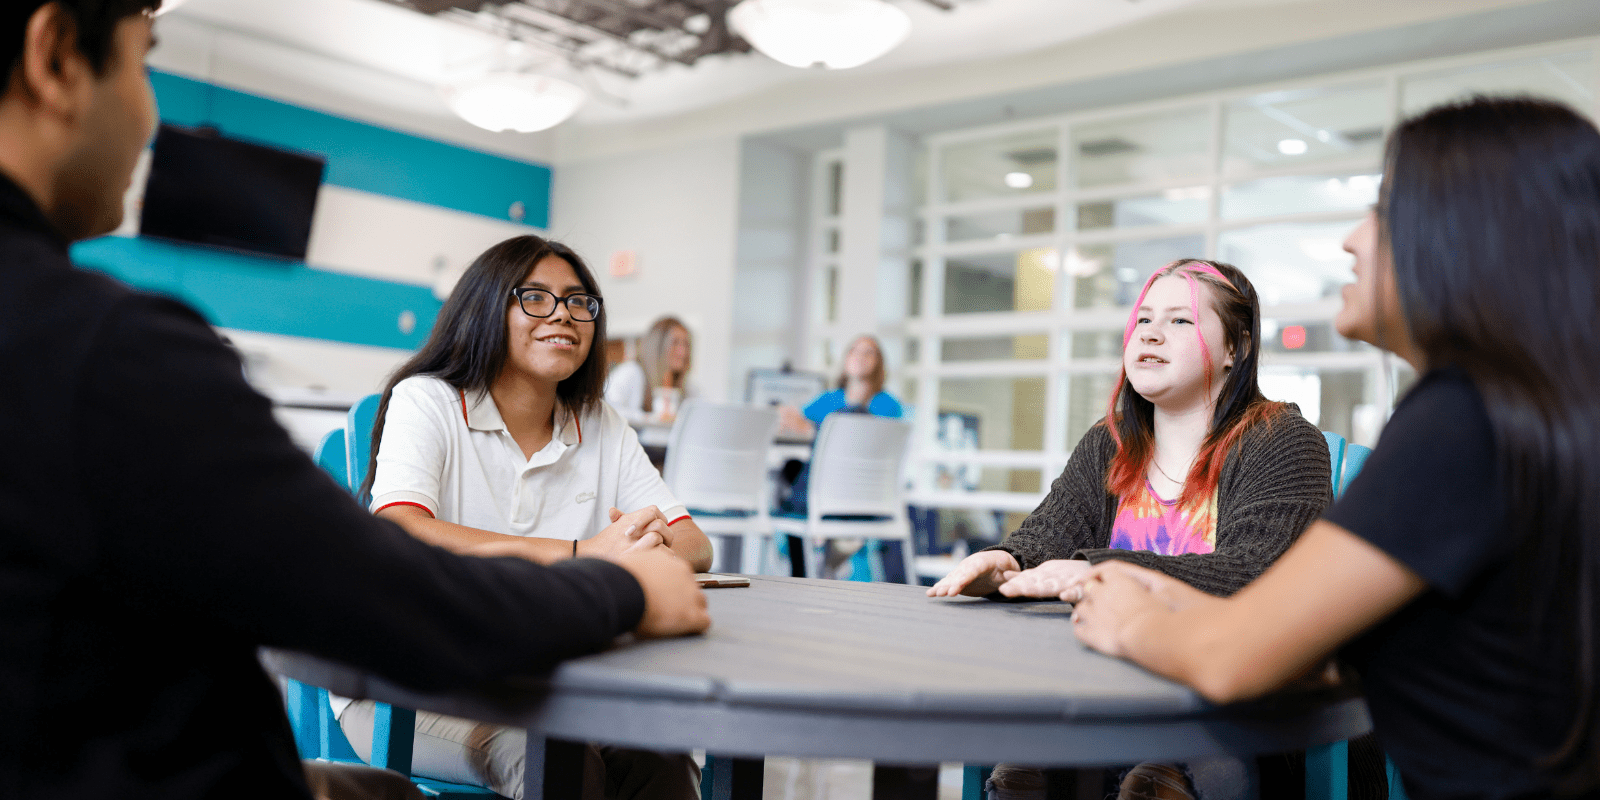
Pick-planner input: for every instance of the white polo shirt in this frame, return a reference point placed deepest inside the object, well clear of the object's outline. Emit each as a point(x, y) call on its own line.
point(451, 455)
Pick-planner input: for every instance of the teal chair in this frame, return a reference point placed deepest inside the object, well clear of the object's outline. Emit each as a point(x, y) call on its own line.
point(1355, 458)
point(1328, 766)
point(330, 456)
point(358, 436)
point(316, 731)
point(1336, 450)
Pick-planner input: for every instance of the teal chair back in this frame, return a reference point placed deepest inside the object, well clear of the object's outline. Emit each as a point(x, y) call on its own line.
point(1336, 458)
point(358, 439)
point(1328, 766)
point(1355, 457)
point(331, 457)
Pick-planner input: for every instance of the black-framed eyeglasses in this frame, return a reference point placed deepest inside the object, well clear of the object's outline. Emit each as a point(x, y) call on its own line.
point(542, 303)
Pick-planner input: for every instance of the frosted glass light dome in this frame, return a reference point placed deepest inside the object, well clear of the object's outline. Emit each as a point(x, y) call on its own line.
point(514, 101)
point(837, 34)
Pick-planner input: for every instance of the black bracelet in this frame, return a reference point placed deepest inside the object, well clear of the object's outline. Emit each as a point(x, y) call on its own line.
point(574, 548)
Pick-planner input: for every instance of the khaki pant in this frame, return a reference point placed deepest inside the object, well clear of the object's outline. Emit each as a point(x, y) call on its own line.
point(463, 751)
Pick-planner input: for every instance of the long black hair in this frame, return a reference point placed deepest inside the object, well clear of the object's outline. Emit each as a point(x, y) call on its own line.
point(1491, 209)
point(468, 345)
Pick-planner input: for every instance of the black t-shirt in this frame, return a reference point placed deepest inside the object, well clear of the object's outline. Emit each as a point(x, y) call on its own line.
point(1463, 699)
point(157, 526)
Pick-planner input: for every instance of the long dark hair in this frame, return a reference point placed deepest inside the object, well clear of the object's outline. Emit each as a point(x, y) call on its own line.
point(1240, 404)
point(1491, 209)
point(467, 347)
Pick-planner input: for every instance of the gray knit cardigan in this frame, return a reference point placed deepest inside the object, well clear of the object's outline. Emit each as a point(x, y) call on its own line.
point(1274, 484)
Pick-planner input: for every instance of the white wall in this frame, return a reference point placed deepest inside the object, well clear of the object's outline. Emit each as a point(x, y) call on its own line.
point(769, 312)
point(677, 208)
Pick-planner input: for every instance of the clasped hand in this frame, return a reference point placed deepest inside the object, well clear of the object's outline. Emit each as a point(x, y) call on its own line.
point(632, 532)
point(641, 543)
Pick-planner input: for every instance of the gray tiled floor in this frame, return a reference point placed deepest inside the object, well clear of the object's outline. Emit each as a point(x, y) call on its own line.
point(837, 779)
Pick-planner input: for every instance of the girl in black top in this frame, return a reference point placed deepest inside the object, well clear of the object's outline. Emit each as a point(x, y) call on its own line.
point(1459, 572)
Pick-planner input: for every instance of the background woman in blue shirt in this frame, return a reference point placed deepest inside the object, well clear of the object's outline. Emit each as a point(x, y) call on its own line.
point(860, 390)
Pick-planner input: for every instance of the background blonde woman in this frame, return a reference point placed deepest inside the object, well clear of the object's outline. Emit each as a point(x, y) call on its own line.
point(651, 387)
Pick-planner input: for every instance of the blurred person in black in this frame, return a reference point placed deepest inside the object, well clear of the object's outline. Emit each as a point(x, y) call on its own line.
point(156, 525)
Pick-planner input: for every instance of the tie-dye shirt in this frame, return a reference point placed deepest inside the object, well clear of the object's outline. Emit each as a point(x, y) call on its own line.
point(1146, 522)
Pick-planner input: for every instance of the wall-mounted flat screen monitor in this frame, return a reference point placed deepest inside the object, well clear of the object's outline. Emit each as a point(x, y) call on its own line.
point(208, 189)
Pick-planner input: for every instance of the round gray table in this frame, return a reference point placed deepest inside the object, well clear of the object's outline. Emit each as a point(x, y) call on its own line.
point(836, 669)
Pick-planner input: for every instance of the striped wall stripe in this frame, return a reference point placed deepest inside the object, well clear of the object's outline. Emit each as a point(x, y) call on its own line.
point(260, 294)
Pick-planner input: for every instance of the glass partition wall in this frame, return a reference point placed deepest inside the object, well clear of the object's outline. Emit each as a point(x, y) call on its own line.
point(1035, 237)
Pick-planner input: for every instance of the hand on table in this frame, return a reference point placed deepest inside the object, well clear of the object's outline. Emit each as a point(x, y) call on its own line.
point(1051, 579)
point(674, 605)
point(1111, 599)
point(976, 575)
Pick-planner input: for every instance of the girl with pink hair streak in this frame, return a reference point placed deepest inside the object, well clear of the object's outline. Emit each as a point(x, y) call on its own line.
point(1193, 472)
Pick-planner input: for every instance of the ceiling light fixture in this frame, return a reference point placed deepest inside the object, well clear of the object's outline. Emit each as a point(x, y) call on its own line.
point(1019, 180)
point(514, 101)
point(1292, 147)
point(836, 34)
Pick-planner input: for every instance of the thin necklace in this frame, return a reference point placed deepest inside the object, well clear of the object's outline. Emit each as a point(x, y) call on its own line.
point(1157, 464)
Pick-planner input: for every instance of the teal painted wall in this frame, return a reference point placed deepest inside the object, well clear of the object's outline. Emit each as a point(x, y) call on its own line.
point(239, 291)
point(258, 294)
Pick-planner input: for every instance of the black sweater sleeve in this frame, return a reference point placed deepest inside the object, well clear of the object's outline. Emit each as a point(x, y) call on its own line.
point(1072, 517)
point(1272, 488)
point(216, 513)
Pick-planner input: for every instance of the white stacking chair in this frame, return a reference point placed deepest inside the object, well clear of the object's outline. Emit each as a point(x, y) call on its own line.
point(717, 466)
point(855, 487)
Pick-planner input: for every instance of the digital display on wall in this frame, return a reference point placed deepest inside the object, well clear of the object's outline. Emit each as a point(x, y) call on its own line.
point(211, 190)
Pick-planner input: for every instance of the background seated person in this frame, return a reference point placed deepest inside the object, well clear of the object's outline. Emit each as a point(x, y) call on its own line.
point(653, 387)
point(860, 391)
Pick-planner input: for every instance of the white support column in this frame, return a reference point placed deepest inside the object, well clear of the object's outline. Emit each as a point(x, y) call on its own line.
point(875, 224)
point(861, 229)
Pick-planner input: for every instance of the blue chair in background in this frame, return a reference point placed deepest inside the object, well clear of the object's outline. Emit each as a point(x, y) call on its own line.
point(316, 730)
point(1355, 457)
point(330, 456)
point(1328, 766)
point(1336, 457)
point(358, 438)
